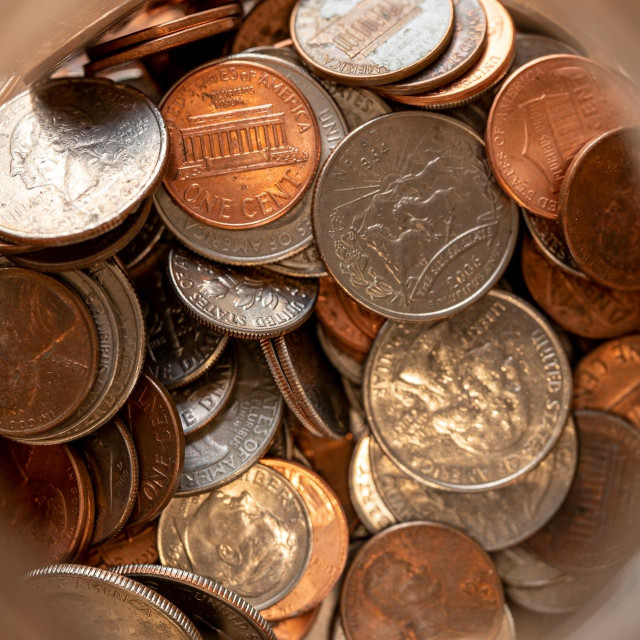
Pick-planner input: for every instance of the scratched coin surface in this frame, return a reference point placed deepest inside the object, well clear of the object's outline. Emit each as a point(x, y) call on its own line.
point(361, 42)
point(83, 151)
point(245, 303)
point(217, 612)
point(245, 144)
point(425, 577)
point(473, 402)
point(105, 605)
point(496, 519)
point(49, 347)
point(241, 433)
point(408, 218)
point(253, 535)
point(530, 46)
point(543, 115)
point(599, 209)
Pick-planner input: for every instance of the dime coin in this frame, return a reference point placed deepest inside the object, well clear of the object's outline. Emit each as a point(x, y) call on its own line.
point(578, 305)
point(599, 209)
point(112, 462)
point(471, 403)
point(246, 303)
point(465, 47)
point(253, 535)
point(409, 220)
point(106, 606)
point(49, 347)
point(495, 519)
point(530, 46)
point(217, 611)
point(518, 567)
point(488, 70)
point(361, 43)
point(152, 418)
point(358, 105)
point(239, 166)
point(304, 264)
point(608, 378)
point(126, 548)
point(295, 628)
point(201, 401)
point(347, 364)
point(179, 349)
point(537, 124)
point(422, 576)
point(84, 153)
point(330, 541)
point(238, 436)
point(267, 23)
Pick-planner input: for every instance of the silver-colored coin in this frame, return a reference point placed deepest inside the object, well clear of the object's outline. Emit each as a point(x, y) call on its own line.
point(369, 506)
point(530, 46)
point(201, 401)
point(495, 519)
point(337, 632)
point(282, 444)
point(472, 115)
point(409, 219)
point(103, 605)
point(179, 349)
point(518, 567)
point(346, 365)
point(144, 243)
point(304, 264)
point(245, 303)
point(473, 402)
point(253, 535)
point(508, 628)
point(238, 436)
point(79, 155)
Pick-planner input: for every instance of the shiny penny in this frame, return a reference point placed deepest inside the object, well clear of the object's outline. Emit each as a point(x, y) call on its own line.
point(538, 123)
point(152, 418)
point(245, 144)
point(597, 526)
point(599, 209)
point(49, 347)
point(578, 305)
point(456, 404)
point(370, 43)
point(530, 46)
point(253, 535)
point(267, 23)
point(330, 541)
point(139, 547)
point(426, 577)
point(409, 220)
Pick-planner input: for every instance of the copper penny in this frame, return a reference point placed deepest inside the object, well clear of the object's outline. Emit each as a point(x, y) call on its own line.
point(245, 144)
point(112, 462)
point(267, 23)
point(139, 547)
point(49, 351)
point(599, 209)
point(11, 248)
point(578, 305)
point(295, 628)
point(421, 580)
point(47, 497)
point(608, 378)
point(489, 69)
point(368, 321)
point(543, 115)
point(330, 541)
point(597, 526)
point(152, 417)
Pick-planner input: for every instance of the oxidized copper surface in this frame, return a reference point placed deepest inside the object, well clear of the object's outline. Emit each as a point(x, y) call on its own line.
point(267, 23)
point(139, 547)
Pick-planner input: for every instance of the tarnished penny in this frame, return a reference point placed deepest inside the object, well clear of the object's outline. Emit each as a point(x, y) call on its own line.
point(608, 378)
point(471, 403)
point(245, 144)
point(240, 435)
point(364, 42)
point(152, 418)
point(408, 218)
point(217, 612)
point(422, 576)
point(49, 352)
point(597, 527)
point(245, 303)
point(105, 605)
point(330, 541)
point(466, 46)
point(578, 305)
point(112, 461)
point(267, 23)
point(543, 115)
point(86, 151)
point(47, 498)
point(201, 401)
point(253, 535)
point(139, 547)
point(599, 209)
point(530, 46)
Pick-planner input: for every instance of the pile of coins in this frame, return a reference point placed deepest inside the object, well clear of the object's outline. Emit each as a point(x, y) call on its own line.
point(271, 367)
